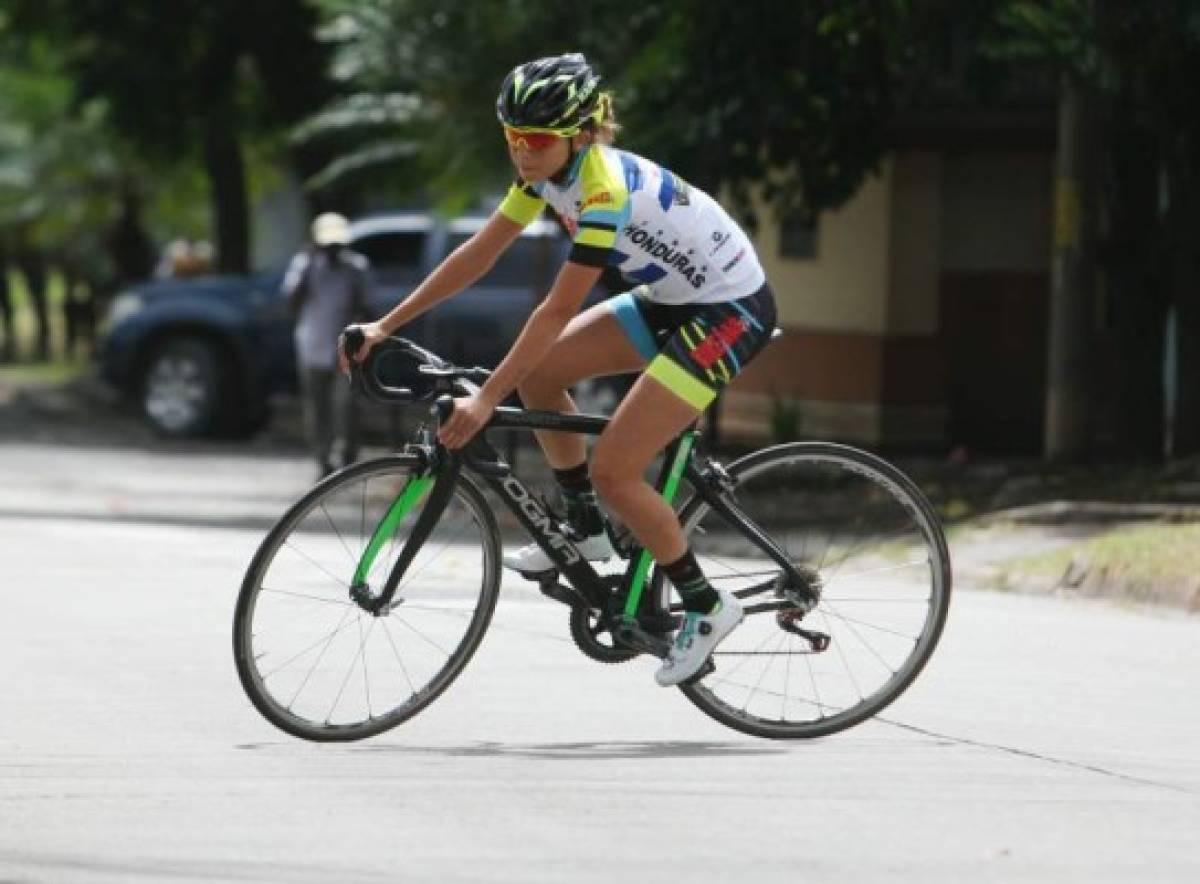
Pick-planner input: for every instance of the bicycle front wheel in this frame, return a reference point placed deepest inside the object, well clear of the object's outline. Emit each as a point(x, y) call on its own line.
point(879, 556)
point(315, 663)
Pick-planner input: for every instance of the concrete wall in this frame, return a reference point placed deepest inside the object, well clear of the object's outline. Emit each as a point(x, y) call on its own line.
point(842, 288)
point(996, 213)
point(859, 355)
point(915, 231)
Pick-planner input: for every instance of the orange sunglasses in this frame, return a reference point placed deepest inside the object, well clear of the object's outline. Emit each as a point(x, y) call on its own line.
point(534, 141)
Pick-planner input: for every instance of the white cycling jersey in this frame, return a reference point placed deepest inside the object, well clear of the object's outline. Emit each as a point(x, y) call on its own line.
point(655, 228)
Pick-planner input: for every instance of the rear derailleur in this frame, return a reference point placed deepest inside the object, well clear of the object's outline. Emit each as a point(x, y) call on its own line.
point(801, 600)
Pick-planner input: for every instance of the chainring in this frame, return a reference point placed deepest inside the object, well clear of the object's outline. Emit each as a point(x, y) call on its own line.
point(591, 632)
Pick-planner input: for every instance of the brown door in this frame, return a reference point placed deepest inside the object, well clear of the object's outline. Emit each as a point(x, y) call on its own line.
point(994, 337)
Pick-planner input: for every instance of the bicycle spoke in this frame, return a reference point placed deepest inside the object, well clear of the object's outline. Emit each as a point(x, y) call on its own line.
point(445, 546)
point(301, 595)
point(863, 641)
point(363, 540)
point(758, 647)
point(346, 680)
point(762, 675)
point(791, 697)
point(396, 652)
point(366, 675)
point(816, 691)
point(322, 676)
point(787, 681)
point(338, 533)
point(902, 635)
point(873, 543)
point(842, 655)
point(311, 647)
point(340, 582)
point(419, 634)
point(316, 662)
point(883, 569)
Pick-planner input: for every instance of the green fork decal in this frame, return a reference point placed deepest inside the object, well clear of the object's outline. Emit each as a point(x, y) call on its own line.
point(417, 488)
point(645, 559)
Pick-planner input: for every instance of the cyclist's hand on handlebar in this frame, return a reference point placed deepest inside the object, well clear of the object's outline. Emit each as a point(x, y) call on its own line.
point(371, 333)
point(470, 415)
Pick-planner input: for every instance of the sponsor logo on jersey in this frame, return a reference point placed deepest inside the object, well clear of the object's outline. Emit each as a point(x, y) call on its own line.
point(682, 195)
point(668, 255)
point(597, 199)
point(717, 342)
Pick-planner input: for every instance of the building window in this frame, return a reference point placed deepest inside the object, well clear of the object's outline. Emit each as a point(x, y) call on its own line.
point(798, 236)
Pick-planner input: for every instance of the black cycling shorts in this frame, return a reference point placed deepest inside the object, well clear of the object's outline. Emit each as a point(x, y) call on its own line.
point(696, 349)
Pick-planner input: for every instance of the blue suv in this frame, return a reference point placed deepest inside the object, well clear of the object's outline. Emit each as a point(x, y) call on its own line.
point(204, 356)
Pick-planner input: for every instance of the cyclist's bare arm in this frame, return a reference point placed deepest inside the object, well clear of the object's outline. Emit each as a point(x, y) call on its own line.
point(542, 329)
point(458, 270)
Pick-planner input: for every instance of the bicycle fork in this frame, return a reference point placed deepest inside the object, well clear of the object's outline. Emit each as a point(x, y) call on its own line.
point(435, 483)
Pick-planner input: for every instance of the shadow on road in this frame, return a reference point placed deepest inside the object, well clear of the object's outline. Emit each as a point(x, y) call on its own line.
point(592, 751)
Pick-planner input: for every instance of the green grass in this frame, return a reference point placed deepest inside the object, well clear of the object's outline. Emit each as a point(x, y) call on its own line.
point(1159, 561)
point(41, 373)
point(23, 316)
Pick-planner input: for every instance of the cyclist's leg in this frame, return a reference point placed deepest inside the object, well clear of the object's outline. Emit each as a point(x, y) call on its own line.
point(709, 347)
point(649, 417)
point(593, 344)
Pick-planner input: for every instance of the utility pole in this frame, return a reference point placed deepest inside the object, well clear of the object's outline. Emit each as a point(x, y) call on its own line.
point(1072, 278)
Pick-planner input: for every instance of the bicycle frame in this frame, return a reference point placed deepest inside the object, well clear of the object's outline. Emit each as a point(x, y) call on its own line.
point(480, 459)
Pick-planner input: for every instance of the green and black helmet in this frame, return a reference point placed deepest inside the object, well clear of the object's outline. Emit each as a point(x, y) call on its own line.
point(558, 94)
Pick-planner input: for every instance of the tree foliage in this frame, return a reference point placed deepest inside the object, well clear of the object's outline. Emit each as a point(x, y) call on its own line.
point(797, 97)
point(194, 78)
point(1137, 65)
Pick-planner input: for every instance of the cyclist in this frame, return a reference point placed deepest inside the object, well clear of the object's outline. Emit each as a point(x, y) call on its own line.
point(701, 311)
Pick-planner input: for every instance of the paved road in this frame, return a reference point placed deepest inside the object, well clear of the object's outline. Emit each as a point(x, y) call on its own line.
point(1050, 740)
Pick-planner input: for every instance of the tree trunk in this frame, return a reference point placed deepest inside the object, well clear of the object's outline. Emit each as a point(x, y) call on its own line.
point(1183, 220)
point(1073, 274)
point(227, 178)
point(1134, 257)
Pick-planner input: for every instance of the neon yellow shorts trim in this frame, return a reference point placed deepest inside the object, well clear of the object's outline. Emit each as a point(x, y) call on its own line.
point(668, 373)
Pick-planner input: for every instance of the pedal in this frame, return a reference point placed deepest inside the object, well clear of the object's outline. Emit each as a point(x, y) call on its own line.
point(705, 671)
point(551, 588)
point(540, 577)
point(632, 635)
point(660, 625)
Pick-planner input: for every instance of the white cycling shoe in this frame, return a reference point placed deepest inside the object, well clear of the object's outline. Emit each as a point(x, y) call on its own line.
point(531, 560)
point(698, 636)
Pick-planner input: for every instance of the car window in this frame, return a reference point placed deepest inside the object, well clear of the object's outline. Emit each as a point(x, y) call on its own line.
point(524, 264)
point(395, 256)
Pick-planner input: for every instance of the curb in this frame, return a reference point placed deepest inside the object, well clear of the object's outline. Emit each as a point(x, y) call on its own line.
point(1061, 512)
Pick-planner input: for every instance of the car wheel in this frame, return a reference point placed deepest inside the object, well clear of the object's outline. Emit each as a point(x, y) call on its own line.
point(181, 387)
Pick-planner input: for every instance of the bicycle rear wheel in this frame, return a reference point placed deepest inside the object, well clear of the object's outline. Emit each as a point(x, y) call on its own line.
point(315, 663)
point(880, 557)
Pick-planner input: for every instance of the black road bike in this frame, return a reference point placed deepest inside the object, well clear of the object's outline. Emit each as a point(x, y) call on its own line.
point(372, 592)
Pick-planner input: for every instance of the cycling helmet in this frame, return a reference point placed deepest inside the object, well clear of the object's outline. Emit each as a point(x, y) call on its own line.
point(556, 94)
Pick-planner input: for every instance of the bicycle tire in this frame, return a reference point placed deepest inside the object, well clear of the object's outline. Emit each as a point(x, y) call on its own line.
point(876, 475)
point(467, 500)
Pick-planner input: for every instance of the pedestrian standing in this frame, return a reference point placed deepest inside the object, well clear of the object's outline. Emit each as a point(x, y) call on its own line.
point(328, 287)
